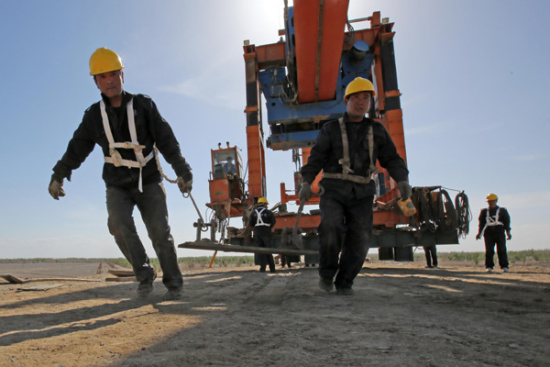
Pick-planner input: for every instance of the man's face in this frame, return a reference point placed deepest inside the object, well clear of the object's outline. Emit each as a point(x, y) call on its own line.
point(358, 104)
point(492, 204)
point(110, 83)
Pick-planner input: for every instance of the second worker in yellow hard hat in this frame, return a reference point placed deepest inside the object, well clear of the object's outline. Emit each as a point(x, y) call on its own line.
point(347, 150)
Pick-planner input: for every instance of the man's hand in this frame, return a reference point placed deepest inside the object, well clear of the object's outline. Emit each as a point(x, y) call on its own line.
point(478, 236)
point(56, 188)
point(405, 189)
point(509, 236)
point(185, 186)
point(305, 192)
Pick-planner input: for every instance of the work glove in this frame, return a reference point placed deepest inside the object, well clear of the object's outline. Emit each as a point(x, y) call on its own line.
point(56, 188)
point(305, 192)
point(478, 236)
point(405, 189)
point(185, 186)
point(509, 237)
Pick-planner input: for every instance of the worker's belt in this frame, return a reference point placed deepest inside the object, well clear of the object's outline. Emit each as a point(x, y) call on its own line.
point(118, 161)
point(348, 177)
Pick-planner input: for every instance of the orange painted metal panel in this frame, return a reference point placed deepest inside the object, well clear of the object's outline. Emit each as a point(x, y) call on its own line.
point(319, 42)
point(219, 190)
point(256, 163)
point(271, 55)
point(394, 122)
point(306, 223)
point(388, 219)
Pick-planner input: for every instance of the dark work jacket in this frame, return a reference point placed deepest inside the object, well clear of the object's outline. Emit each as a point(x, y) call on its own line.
point(151, 129)
point(503, 217)
point(328, 150)
point(267, 218)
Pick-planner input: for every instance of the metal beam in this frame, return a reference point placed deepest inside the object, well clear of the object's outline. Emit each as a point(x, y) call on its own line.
point(214, 246)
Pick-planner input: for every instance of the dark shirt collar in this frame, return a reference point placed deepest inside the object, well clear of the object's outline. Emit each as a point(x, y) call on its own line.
point(126, 97)
point(346, 118)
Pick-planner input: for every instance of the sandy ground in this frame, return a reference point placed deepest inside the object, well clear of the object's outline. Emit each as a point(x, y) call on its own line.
point(400, 315)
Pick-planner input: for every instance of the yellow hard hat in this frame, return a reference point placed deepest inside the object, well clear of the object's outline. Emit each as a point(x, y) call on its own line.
point(104, 60)
point(492, 197)
point(262, 200)
point(359, 85)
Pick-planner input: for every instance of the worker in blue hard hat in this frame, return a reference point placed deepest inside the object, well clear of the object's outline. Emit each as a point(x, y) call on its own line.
point(128, 127)
point(347, 150)
point(494, 224)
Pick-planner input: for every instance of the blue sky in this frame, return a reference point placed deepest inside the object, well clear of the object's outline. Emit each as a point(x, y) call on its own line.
point(472, 74)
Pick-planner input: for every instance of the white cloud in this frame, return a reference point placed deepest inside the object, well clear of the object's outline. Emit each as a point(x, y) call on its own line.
point(211, 87)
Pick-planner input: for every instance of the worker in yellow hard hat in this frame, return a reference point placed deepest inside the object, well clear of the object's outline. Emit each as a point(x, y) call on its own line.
point(494, 223)
point(347, 150)
point(127, 127)
point(262, 221)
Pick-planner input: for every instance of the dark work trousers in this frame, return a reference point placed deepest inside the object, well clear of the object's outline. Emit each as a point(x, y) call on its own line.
point(152, 205)
point(262, 238)
point(346, 227)
point(495, 236)
point(431, 255)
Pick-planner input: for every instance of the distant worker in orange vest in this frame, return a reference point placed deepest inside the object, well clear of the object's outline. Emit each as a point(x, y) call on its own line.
point(494, 223)
point(128, 127)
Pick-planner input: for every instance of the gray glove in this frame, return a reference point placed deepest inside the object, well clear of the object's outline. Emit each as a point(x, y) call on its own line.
point(56, 188)
point(405, 189)
point(305, 192)
point(185, 186)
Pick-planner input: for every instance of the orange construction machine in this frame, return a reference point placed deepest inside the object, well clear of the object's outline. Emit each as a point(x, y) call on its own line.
point(302, 78)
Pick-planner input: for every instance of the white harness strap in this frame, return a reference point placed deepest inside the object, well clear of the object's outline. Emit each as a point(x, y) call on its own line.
point(490, 222)
point(347, 172)
point(115, 157)
point(259, 220)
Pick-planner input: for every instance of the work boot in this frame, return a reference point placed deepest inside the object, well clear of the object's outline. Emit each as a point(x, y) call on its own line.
point(325, 284)
point(172, 295)
point(489, 270)
point(506, 270)
point(145, 287)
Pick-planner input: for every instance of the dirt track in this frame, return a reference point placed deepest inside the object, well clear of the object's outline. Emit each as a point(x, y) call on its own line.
point(401, 315)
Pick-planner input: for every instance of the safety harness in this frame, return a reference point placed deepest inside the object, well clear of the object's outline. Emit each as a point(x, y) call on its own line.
point(259, 221)
point(345, 162)
point(115, 157)
point(490, 222)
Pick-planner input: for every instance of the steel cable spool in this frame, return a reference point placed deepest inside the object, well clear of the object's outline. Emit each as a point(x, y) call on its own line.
point(450, 209)
point(463, 213)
